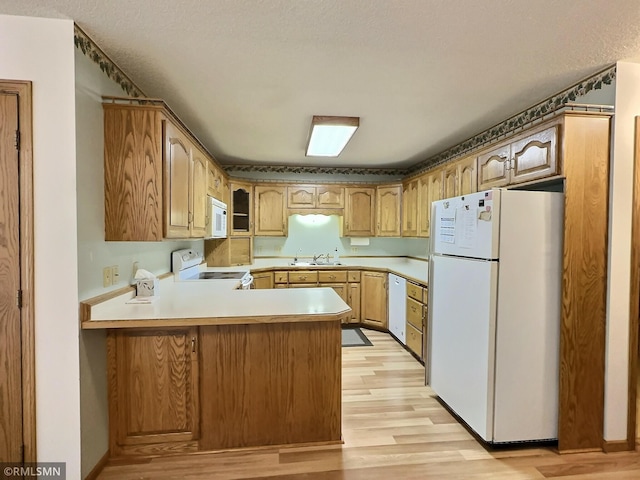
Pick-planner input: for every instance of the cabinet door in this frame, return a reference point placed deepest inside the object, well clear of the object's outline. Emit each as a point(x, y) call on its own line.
point(241, 250)
point(535, 156)
point(263, 280)
point(388, 202)
point(353, 300)
point(177, 168)
point(424, 205)
point(450, 181)
point(373, 303)
point(241, 209)
point(493, 168)
point(154, 385)
point(340, 288)
point(198, 194)
point(301, 196)
point(410, 209)
point(467, 176)
point(330, 197)
point(270, 207)
point(359, 212)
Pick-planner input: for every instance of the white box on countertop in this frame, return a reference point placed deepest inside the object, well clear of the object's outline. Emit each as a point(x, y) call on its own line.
point(147, 287)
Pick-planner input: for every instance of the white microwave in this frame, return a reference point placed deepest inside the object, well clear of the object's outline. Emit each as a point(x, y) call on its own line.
point(216, 219)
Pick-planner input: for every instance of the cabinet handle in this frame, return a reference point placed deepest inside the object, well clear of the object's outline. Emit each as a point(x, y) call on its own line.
point(190, 217)
point(332, 277)
point(193, 344)
point(300, 277)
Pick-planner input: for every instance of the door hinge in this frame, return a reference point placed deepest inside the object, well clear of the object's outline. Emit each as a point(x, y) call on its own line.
point(19, 298)
point(17, 140)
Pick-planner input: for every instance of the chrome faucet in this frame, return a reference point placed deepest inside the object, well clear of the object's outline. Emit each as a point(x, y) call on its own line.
point(316, 258)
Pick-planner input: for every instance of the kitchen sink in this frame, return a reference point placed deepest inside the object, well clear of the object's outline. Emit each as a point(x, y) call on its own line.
point(313, 264)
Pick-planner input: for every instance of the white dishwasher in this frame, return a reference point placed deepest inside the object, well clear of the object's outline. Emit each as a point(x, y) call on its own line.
point(398, 307)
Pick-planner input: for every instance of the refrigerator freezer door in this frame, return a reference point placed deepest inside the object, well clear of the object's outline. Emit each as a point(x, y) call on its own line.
point(463, 312)
point(467, 226)
point(398, 307)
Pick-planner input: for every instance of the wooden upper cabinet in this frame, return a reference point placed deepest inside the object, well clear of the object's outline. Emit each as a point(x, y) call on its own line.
point(217, 185)
point(460, 178)
point(330, 196)
point(270, 211)
point(133, 203)
point(315, 196)
point(241, 209)
point(301, 196)
point(429, 190)
point(388, 207)
point(177, 168)
point(467, 175)
point(198, 195)
point(410, 208)
point(535, 156)
point(359, 211)
point(525, 158)
point(155, 176)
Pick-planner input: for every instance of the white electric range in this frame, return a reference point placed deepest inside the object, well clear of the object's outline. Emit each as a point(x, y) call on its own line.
point(185, 265)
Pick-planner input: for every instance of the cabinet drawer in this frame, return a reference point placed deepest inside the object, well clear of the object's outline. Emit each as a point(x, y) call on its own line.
point(281, 277)
point(414, 291)
point(414, 340)
point(414, 313)
point(332, 276)
point(425, 296)
point(353, 276)
point(303, 276)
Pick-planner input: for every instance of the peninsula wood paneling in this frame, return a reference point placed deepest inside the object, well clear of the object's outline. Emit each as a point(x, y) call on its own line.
point(133, 173)
point(582, 343)
point(270, 384)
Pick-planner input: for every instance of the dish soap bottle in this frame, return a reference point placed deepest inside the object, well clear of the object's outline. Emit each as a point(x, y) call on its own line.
point(336, 258)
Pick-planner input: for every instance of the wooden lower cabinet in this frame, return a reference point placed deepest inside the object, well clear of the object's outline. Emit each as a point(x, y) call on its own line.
point(271, 384)
point(153, 390)
point(373, 302)
point(416, 327)
point(241, 250)
point(263, 280)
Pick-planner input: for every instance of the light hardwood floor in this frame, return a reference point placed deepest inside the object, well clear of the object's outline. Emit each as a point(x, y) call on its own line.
point(393, 428)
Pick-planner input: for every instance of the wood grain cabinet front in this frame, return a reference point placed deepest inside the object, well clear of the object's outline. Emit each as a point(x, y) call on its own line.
point(388, 207)
point(155, 176)
point(373, 303)
point(153, 390)
point(359, 212)
point(270, 211)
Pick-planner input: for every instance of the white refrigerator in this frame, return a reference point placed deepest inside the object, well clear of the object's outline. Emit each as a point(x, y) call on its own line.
point(494, 311)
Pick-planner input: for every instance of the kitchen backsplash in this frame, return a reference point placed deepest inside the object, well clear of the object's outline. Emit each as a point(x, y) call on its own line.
point(320, 234)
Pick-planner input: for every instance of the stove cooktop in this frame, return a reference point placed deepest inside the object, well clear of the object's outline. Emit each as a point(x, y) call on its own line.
point(221, 275)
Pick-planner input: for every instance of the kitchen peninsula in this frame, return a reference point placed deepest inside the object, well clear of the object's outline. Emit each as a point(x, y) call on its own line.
point(204, 368)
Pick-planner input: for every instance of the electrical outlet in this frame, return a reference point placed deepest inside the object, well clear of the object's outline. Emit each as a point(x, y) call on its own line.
point(107, 278)
point(354, 249)
point(115, 274)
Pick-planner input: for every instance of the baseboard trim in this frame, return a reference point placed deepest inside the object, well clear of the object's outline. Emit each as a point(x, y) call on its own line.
point(617, 446)
point(95, 471)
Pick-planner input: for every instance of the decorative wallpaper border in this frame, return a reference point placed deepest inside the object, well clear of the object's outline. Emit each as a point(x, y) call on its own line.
point(535, 113)
point(91, 50)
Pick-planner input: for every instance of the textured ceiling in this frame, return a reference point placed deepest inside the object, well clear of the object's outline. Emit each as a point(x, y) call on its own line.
point(247, 75)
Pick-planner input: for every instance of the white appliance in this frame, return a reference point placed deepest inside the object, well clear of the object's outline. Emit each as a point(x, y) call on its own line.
point(185, 265)
point(494, 311)
point(398, 307)
point(216, 218)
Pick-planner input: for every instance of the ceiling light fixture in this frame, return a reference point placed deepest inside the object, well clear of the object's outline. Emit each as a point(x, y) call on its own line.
point(329, 135)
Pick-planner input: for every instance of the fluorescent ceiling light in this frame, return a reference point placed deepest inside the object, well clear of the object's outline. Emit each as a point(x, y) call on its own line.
point(329, 135)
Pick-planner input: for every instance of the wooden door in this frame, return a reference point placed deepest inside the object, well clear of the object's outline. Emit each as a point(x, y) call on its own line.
point(330, 197)
point(535, 156)
point(467, 176)
point(450, 181)
point(373, 303)
point(359, 215)
point(241, 209)
point(270, 207)
point(410, 208)
point(340, 289)
point(177, 168)
point(301, 196)
point(11, 434)
point(494, 167)
point(154, 387)
point(424, 205)
point(263, 280)
point(353, 300)
point(388, 202)
point(198, 194)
